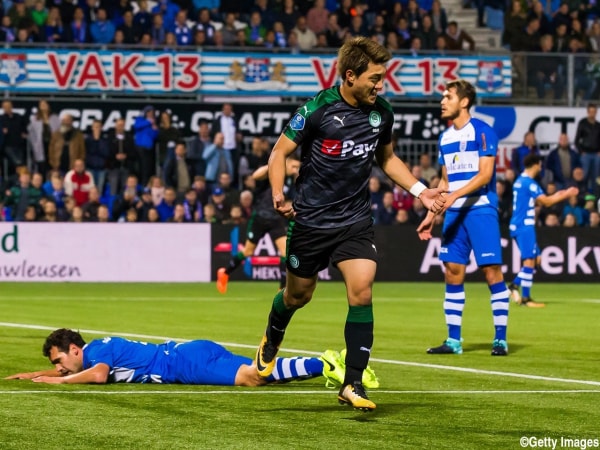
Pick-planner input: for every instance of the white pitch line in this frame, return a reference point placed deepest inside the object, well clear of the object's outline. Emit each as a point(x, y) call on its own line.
point(267, 391)
point(304, 352)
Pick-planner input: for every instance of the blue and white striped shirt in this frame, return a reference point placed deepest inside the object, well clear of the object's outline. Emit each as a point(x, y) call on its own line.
point(459, 151)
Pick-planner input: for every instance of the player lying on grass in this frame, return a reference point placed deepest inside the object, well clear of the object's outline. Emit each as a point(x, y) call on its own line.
point(115, 359)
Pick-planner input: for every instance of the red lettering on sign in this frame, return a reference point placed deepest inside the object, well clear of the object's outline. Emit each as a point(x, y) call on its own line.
point(92, 72)
point(326, 80)
point(123, 71)
point(393, 83)
point(62, 74)
point(190, 72)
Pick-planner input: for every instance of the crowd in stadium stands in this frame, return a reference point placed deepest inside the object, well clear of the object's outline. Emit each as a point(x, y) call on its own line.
point(294, 24)
point(151, 173)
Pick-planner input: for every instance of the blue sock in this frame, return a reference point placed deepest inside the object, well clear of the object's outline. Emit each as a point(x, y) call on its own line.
point(454, 303)
point(298, 368)
point(526, 275)
point(500, 303)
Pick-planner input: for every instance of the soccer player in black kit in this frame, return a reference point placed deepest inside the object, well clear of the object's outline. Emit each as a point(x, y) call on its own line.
point(264, 219)
point(340, 131)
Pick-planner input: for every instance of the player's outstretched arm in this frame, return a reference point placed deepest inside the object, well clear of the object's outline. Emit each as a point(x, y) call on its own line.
point(395, 168)
point(94, 375)
point(557, 197)
point(31, 375)
point(282, 149)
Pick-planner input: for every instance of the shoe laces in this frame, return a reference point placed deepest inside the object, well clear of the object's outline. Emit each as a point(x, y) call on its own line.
point(359, 390)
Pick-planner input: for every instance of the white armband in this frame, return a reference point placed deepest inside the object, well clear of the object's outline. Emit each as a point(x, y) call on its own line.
point(417, 189)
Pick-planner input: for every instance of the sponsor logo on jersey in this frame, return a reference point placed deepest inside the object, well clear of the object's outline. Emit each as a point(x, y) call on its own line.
point(297, 122)
point(343, 149)
point(332, 147)
point(340, 120)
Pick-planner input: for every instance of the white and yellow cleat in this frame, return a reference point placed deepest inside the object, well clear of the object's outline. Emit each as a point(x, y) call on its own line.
point(354, 395)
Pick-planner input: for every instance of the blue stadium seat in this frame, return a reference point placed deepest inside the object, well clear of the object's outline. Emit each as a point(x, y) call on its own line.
point(494, 18)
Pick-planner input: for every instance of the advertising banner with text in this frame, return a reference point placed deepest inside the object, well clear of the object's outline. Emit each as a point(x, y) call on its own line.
point(254, 119)
point(91, 252)
point(567, 255)
point(180, 71)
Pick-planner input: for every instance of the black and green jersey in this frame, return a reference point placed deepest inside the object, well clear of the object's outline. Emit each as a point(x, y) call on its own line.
point(263, 197)
point(338, 143)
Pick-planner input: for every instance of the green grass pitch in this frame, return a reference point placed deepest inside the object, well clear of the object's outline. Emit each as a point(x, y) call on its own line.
point(549, 385)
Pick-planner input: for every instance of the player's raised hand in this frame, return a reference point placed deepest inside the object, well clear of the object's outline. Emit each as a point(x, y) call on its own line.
point(433, 199)
point(425, 227)
point(283, 207)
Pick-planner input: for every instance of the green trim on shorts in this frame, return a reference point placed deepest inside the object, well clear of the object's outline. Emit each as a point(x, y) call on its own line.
point(291, 225)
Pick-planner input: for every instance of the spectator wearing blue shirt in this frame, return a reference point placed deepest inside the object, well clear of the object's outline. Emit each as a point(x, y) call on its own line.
point(142, 19)
point(97, 154)
point(77, 31)
point(205, 25)
point(386, 214)
point(217, 159)
point(183, 33)
point(167, 9)
point(102, 29)
point(166, 208)
point(529, 147)
point(145, 133)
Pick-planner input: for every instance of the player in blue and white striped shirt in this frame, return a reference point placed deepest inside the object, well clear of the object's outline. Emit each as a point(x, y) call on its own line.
point(526, 194)
point(201, 362)
point(467, 155)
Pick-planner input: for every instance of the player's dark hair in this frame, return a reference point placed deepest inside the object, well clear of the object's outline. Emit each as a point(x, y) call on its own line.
point(464, 89)
point(62, 339)
point(531, 160)
point(357, 53)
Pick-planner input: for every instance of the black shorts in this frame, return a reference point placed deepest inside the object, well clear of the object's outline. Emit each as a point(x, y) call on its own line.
point(309, 250)
point(258, 226)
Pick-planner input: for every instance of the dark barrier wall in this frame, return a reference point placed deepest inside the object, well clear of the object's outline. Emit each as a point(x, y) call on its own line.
point(571, 254)
point(254, 118)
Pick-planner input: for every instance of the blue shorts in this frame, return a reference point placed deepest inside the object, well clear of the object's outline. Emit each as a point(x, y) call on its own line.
point(477, 230)
point(527, 242)
point(205, 362)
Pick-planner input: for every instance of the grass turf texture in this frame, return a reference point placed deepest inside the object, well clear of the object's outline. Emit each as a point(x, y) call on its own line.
point(419, 405)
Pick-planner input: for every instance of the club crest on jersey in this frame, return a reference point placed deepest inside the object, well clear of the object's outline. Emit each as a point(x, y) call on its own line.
point(462, 146)
point(294, 261)
point(297, 122)
point(374, 119)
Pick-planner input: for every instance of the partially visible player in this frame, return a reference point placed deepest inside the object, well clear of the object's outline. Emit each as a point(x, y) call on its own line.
point(527, 193)
point(201, 362)
point(264, 219)
point(467, 155)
